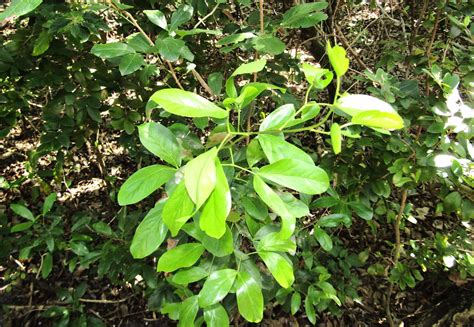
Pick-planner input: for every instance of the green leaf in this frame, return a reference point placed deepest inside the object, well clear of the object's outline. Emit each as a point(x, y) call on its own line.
point(235, 38)
point(138, 42)
point(42, 43)
point(160, 141)
point(217, 207)
point(254, 152)
point(111, 50)
point(187, 104)
point(216, 287)
point(218, 247)
point(216, 316)
point(178, 209)
point(21, 227)
point(280, 268)
point(336, 138)
point(150, 233)
point(200, 176)
point(249, 297)
point(362, 210)
point(316, 76)
point(215, 82)
point(337, 57)
point(251, 91)
point(47, 265)
point(304, 15)
point(48, 203)
point(130, 63)
point(19, 8)
point(255, 208)
point(274, 242)
point(268, 44)
point(181, 256)
point(194, 31)
point(171, 49)
point(188, 276)
point(323, 238)
point(102, 228)
point(250, 68)
point(144, 182)
point(181, 16)
point(276, 148)
point(188, 311)
point(278, 118)
point(309, 310)
point(157, 18)
point(370, 111)
point(22, 211)
point(297, 175)
point(295, 303)
point(272, 200)
point(308, 111)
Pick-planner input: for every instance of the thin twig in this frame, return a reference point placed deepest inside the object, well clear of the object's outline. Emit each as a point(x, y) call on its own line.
point(429, 45)
point(417, 25)
point(348, 47)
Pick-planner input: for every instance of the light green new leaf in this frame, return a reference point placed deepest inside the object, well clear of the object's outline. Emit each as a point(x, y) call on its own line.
point(181, 256)
point(249, 297)
point(278, 118)
point(221, 247)
point(295, 303)
point(323, 238)
point(48, 203)
point(188, 311)
point(19, 8)
point(149, 234)
point(22, 211)
point(200, 177)
point(160, 141)
point(111, 50)
point(187, 104)
point(274, 242)
point(254, 152)
point(130, 63)
point(216, 316)
point(276, 148)
point(370, 111)
point(280, 268)
point(297, 175)
point(217, 207)
point(178, 209)
point(144, 182)
point(156, 17)
point(336, 138)
point(272, 200)
point(191, 275)
point(216, 287)
point(337, 57)
point(250, 68)
point(316, 76)
point(268, 44)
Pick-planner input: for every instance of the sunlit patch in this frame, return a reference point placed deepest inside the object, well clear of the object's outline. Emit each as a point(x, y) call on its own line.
point(443, 160)
point(449, 261)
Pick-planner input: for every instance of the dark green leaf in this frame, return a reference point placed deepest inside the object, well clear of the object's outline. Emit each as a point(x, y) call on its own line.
point(130, 63)
point(111, 50)
point(304, 15)
point(47, 265)
point(22, 211)
point(157, 18)
point(323, 238)
point(181, 16)
point(48, 203)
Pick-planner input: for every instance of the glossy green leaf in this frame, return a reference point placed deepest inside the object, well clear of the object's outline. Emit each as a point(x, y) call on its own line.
point(249, 297)
point(295, 207)
point(47, 265)
point(188, 312)
point(379, 119)
point(178, 209)
point(221, 247)
point(295, 303)
point(157, 18)
point(200, 176)
point(323, 238)
point(22, 211)
point(216, 316)
point(187, 104)
point(250, 68)
point(268, 44)
point(251, 91)
point(308, 112)
point(188, 276)
point(111, 50)
point(272, 200)
point(160, 141)
point(274, 242)
point(150, 233)
point(278, 118)
point(183, 14)
point(255, 208)
point(336, 138)
point(144, 182)
point(316, 76)
point(217, 207)
point(48, 203)
point(337, 58)
point(280, 268)
point(216, 287)
point(297, 175)
point(254, 152)
point(181, 256)
point(304, 15)
point(19, 8)
point(276, 148)
point(235, 38)
point(130, 63)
